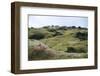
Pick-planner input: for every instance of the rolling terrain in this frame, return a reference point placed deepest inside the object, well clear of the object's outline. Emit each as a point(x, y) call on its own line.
point(54, 42)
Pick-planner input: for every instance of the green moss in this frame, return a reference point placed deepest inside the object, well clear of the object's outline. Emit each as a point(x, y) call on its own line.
point(60, 43)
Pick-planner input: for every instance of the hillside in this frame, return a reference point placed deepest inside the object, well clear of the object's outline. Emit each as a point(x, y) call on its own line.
point(57, 43)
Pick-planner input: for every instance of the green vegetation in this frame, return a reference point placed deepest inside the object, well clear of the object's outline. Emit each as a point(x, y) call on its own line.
point(57, 42)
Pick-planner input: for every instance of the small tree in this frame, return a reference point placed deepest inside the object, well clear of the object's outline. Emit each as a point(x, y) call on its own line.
point(73, 27)
point(79, 27)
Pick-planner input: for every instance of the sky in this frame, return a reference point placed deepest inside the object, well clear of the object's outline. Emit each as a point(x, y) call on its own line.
point(37, 21)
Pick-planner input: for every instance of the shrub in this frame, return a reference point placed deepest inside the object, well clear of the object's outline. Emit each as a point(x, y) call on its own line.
point(57, 33)
point(73, 27)
point(46, 27)
point(82, 35)
point(51, 30)
point(79, 27)
point(71, 49)
point(63, 28)
point(37, 36)
point(76, 50)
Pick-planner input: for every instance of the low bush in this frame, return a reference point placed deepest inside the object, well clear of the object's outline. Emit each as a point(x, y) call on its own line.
point(37, 36)
point(82, 35)
point(71, 49)
point(57, 33)
point(52, 30)
point(76, 50)
point(62, 28)
point(73, 27)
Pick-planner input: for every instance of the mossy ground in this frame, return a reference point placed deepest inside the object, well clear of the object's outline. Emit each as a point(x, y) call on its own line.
point(58, 45)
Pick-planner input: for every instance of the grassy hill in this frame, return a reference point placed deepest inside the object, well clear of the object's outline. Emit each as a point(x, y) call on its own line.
point(57, 43)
